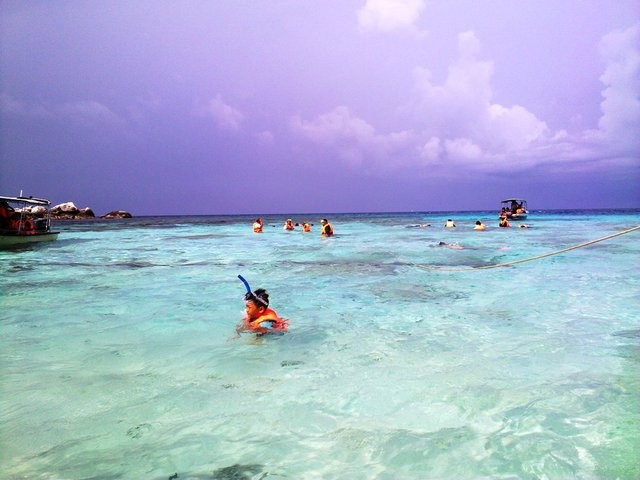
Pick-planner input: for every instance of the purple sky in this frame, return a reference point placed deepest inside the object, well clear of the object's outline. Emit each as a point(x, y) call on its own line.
point(265, 106)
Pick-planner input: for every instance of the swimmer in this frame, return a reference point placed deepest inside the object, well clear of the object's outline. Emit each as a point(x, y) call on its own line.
point(288, 225)
point(259, 318)
point(479, 226)
point(327, 229)
point(257, 225)
point(449, 224)
point(418, 225)
point(524, 225)
point(453, 246)
point(306, 227)
point(504, 222)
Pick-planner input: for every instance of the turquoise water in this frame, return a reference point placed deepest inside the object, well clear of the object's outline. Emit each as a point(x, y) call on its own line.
point(118, 357)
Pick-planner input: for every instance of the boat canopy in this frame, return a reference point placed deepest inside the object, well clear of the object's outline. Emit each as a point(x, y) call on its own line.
point(509, 200)
point(30, 200)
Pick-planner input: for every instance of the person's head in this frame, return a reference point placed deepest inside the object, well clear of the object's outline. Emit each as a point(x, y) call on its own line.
point(256, 303)
point(324, 221)
point(478, 222)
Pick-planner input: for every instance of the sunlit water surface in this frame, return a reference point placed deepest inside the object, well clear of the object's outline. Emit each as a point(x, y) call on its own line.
point(118, 356)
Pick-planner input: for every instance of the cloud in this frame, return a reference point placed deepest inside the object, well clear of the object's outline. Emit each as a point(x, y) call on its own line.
point(615, 141)
point(620, 120)
point(353, 138)
point(431, 150)
point(90, 113)
point(461, 110)
point(349, 135)
point(461, 113)
point(455, 122)
point(389, 15)
point(458, 122)
point(265, 138)
point(11, 106)
point(335, 127)
point(463, 149)
point(513, 128)
point(225, 116)
point(86, 112)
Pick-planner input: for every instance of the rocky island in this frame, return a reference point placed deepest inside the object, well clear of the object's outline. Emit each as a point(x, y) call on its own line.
point(69, 211)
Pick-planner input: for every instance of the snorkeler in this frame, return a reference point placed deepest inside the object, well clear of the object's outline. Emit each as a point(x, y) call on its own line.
point(259, 317)
point(453, 246)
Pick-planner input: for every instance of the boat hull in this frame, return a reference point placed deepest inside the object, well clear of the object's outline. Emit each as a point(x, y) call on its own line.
point(517, 216)
point(12, 240)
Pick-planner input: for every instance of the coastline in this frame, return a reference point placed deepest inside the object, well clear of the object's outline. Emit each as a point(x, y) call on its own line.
point(319, 215)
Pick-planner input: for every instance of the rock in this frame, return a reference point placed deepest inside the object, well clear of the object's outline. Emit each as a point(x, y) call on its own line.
point(118, 214)
point(38, 211)
point(291, 363)
point(67, 208)
point(239, 472)
point(69, 211)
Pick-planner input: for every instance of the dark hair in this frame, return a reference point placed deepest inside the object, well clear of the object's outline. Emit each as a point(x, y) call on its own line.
point(259, 296)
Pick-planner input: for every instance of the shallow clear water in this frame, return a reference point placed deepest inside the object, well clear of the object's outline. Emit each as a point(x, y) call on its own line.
point(118, 357)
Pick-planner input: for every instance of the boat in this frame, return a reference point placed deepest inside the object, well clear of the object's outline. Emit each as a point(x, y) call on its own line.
point(25, 220)
point(514, 209)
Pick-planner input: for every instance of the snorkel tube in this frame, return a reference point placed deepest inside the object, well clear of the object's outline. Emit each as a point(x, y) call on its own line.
point(246, 284)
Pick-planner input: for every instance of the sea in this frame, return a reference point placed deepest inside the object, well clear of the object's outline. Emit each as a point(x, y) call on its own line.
point(119, 357)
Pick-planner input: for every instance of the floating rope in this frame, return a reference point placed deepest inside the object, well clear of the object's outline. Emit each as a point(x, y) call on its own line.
point(484, 267)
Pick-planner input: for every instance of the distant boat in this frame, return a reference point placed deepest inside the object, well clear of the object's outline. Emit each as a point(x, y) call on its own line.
point(514, 209)
point(25, 220)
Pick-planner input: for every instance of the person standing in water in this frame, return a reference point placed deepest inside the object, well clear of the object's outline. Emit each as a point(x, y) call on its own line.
point(479, 226)
point(257, 225)
point(326, 229)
